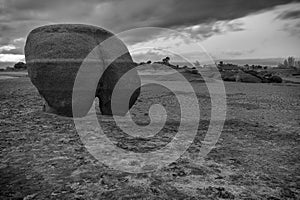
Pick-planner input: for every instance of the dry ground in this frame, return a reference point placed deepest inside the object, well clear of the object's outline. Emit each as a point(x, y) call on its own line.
point(257, 156)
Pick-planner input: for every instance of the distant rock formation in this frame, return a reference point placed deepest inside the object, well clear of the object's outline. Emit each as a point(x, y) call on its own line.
point(275, 79)
point(229, 76)
point(20, 66)
point(250, 76)
point(54, 54)
point(247, 78)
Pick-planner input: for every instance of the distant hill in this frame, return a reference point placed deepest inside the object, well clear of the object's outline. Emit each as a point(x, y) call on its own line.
point(263, 61)
point(273, 62)
point(153, 66)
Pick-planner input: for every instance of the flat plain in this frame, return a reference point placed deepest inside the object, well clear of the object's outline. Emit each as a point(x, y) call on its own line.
point(256, 157)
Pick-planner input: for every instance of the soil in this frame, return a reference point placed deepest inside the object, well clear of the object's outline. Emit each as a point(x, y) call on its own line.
point(256, 157)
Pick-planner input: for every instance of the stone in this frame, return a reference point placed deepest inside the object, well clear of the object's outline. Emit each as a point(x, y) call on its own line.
point(247, 78)
point(54, 54)
point(276, 79)
point(228, 76)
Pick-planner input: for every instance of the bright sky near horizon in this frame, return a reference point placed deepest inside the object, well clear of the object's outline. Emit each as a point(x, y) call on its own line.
point(232, 29)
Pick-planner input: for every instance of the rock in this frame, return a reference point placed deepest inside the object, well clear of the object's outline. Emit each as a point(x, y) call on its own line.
point(247, 78)
point(53, 56)
point(276, 79)
point(192, 71)
point(266, 80)
point(228, 76)
point(20, 65)
point(253, 73)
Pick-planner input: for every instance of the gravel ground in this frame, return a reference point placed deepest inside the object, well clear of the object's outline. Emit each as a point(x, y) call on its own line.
point(256, 157)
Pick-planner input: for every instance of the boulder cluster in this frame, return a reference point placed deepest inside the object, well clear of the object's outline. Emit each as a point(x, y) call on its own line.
point(250, 76)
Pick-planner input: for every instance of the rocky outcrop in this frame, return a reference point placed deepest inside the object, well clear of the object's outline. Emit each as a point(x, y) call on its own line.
point(250, 77)
point(54, 55)
point(247, 78)
point(228, 76)
point(276, 79)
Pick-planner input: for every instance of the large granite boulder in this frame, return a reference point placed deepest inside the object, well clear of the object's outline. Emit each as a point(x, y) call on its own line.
point(54, 55)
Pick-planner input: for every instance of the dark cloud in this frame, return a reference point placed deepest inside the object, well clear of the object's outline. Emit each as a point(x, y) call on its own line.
point(16, 51)
point(141, 35)
point(290, 14)
point(5, 28)
point(200, 11)
point(233, 53)
point(203, 31)
point(18, 17)
point(291, 24)
point(53, 11)
point(120, 15)
point(292, 28)
point(15, 33)
point(148, 55)
point(157, 54)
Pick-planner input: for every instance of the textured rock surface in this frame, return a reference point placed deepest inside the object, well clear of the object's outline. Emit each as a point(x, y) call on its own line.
point(54, 54)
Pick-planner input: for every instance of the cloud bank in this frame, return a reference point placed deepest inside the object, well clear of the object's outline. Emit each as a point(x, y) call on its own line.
point(198, 18)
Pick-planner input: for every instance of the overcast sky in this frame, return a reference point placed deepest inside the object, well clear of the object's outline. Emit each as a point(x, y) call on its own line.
point(227, 29)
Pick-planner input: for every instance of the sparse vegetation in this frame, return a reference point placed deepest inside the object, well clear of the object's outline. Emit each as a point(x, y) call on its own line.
point(290, 62)
point(166, 60)
point(255, 158)
point(197, 64)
